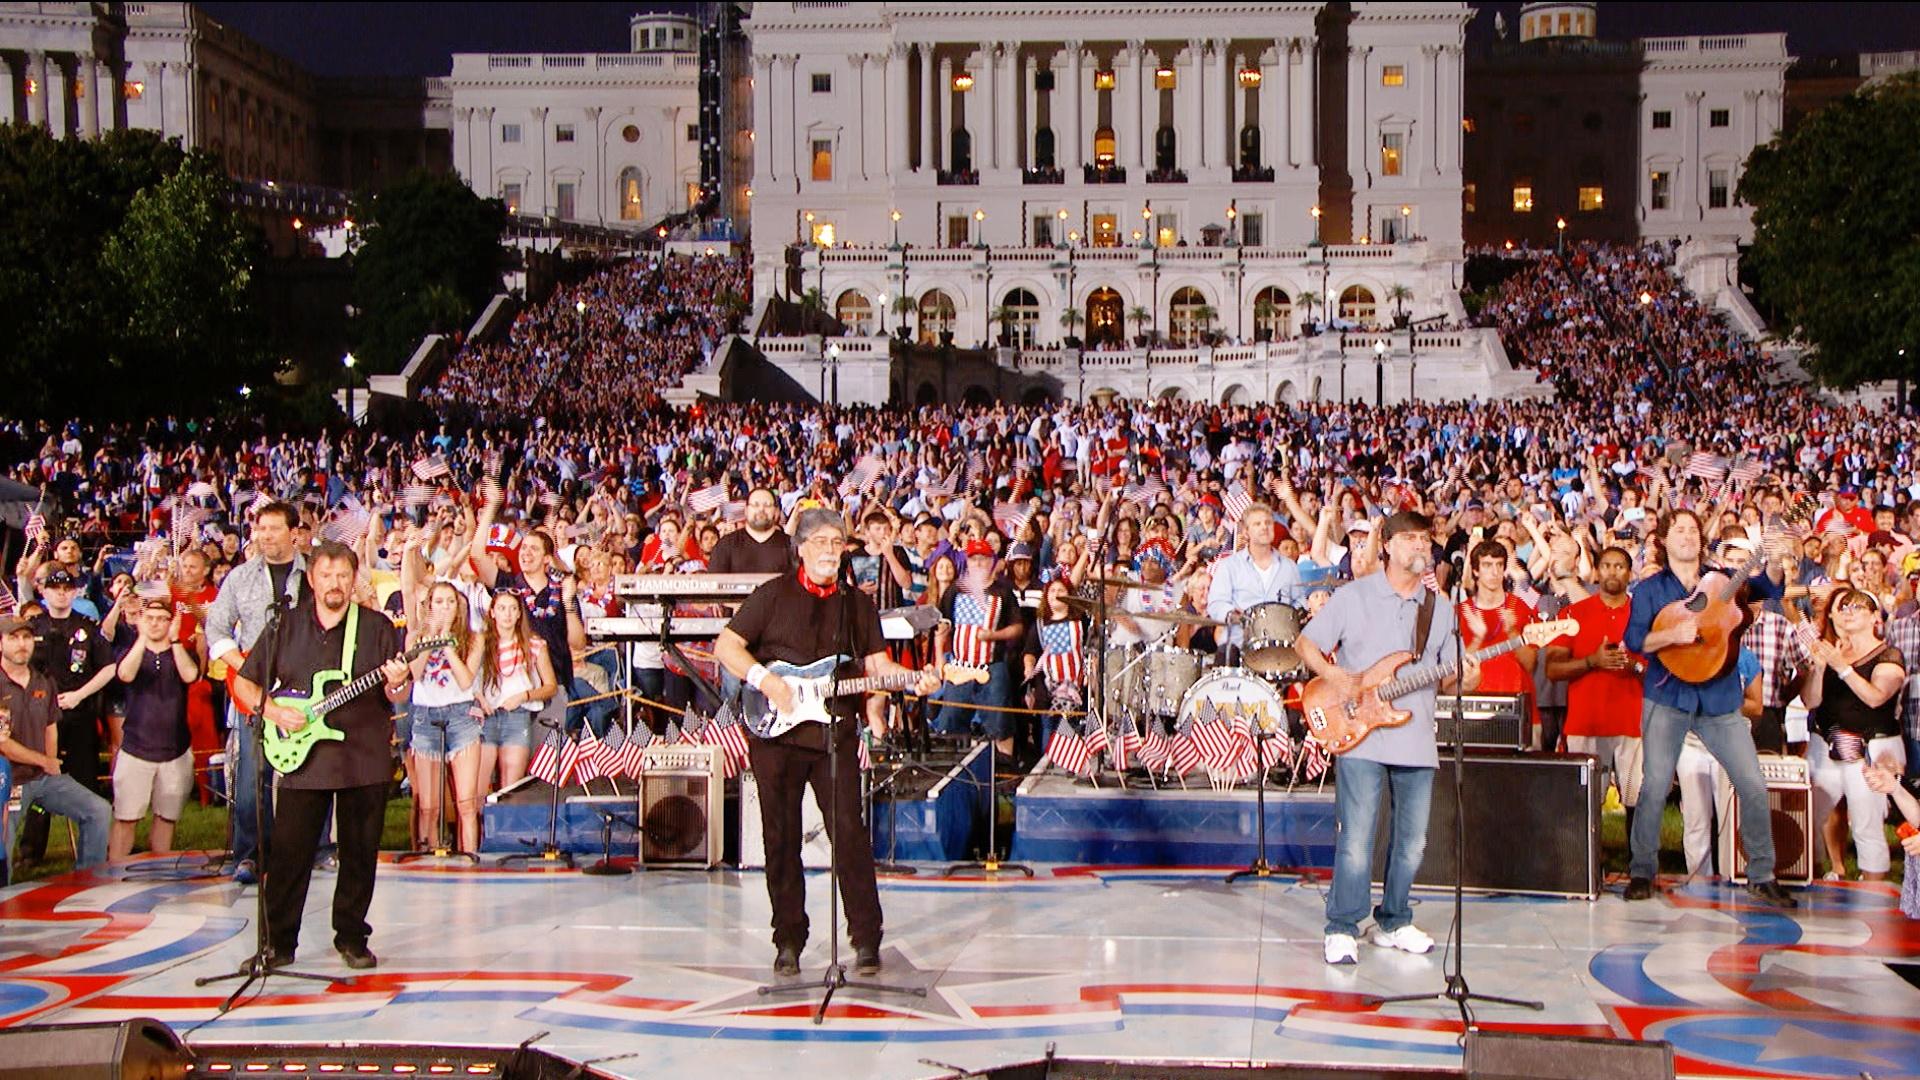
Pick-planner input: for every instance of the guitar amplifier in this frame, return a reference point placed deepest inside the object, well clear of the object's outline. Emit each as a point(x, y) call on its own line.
point(1487, 721)
point(1533, 826)
point(682, 799)
point(815, 851)
point(1790, 805)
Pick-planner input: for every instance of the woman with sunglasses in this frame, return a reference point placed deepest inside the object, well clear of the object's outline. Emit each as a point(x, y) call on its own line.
point(1854, 683)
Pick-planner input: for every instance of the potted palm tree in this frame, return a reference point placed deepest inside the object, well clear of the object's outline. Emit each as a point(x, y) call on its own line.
point(904, 306)
point(1309, 298)
point(1142, 320)
point(1203, 317)
point(1264, 311)
point(1003, 314)
point(1399, 294)
point(1070, 321)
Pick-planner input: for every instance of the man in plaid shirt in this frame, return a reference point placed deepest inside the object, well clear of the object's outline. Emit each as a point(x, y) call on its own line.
point(1903, 633)
point(1782, 657)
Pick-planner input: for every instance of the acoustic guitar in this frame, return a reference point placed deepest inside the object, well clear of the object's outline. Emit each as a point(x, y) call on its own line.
point(1342, 723)
point(1722, 614)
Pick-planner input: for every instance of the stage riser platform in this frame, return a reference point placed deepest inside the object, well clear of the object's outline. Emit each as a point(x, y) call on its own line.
point(1056, 820)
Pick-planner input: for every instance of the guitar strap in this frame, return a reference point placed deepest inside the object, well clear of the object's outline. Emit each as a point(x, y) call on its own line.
point(353, 639)
point(1422, 623)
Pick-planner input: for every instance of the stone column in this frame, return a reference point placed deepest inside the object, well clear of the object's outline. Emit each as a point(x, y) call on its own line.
point(1139, 122)
point(1426, 132)
point(858, 62)
point(1310, 103)
point(1214, 76)
point(1692, 169)
point(1186, 106)
point(89, 72)
point(765, 161)
point(600, 178)
point(1073, 139)
point(898, 128)
point(943, 134)
point(1006, 97)
point(1274, 151)
point(1299, 103)
point(487, 138)
point(1359, 123)
point(929, 109)
point(37, 111)
point(538, 129)
point(1026, 109)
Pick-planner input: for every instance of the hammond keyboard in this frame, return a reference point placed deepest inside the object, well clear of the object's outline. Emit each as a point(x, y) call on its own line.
point(689, 588)
point(647, 627)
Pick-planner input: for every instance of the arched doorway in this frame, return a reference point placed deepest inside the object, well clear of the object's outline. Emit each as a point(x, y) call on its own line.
point(1171, 393)
point(962, 158)
point(1187, 316)
point(1287, 394)
point(855, 312)
point(1234, 395)
point(1043, 154)
point(1020, 318)
point(1106, 323)
point(1103, 148)
point(1358, 306)
point(976, 396)
point(926, 395)
point(1250, 147)
point(630, 198)
point(1166, 144)
point(1272, 314)
point(1036, 395)
point(936, 317)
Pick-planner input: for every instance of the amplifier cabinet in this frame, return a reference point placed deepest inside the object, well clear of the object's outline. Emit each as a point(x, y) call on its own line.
point(1533, 825)
point(1487, 721)
point(1790, 805)
point(815, 850)
point(682, 800)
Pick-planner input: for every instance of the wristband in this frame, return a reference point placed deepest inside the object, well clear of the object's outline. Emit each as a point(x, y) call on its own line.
point(756, 675)
point(1843, 672)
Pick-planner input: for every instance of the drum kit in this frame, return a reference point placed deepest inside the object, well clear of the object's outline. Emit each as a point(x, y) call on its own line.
point(1158, 682)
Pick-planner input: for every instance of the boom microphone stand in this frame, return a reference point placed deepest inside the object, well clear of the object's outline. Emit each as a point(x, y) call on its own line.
point(1457, 990)
point(260, 967)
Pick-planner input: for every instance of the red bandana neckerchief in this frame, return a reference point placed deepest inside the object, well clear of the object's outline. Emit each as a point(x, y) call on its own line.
point(820, 592)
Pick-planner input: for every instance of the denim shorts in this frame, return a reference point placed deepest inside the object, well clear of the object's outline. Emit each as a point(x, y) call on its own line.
point(507, 728)
point(463, 728)
point(403, 728)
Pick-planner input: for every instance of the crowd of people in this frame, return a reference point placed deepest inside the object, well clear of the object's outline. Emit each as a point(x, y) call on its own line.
point(1000, 514)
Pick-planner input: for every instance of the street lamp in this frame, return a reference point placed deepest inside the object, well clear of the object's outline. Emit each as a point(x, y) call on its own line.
point(883, 314)
point(1063, 225)
point(833, 361)
point(580, 310)
point(1406, 223)
point(1233, 214)
point(1379, 374)
point(1146, 223)
point(1559, 235)
point(348, 362)
point(980, 228)
point(896, 229)
point(1316, 223)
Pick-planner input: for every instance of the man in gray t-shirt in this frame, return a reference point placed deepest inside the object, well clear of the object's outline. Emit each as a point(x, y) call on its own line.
point(1363, 622)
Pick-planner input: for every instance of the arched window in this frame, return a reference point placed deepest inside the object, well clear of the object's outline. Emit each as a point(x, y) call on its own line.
point(631, 207)
point(1106, 314)
point(936, 316)
point(1250, 147)
point(1187, 316)
point(961, 160)
point(854, 311)
point(1273, 313)
point(1043, 148)
point(1103, 147)
point(1165, 147)
point(1358, 306)
point(1021, 311)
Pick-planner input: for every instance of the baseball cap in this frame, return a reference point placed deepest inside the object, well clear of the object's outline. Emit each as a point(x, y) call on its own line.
point(157, 603)
point(1847, 489)
point(13, 624)
point(979, 547)
point(61, 578)
point(1019, 550)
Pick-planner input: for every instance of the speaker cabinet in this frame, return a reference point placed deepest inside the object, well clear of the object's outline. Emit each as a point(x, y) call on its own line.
point(682, 799)
point(815, 852)
point(1790, 805)
point(1502, 1055)
point(1533, 825)
point(127, 1050)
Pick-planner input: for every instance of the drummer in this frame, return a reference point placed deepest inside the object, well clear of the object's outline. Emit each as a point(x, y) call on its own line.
point(1155, 595)
point(1254, 575)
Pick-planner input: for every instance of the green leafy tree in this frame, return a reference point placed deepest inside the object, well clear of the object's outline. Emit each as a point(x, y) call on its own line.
point(1836, 250)
point(429, 259)
point(182, 269)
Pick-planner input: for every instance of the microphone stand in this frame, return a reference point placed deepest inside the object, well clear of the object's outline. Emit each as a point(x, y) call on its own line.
point(1456, 989)
point(441, 849)
point(550, 854)
point(835, 976)
point(606, 867)
point(260, 966)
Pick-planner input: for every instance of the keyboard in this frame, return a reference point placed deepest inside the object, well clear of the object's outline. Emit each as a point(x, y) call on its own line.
point(690, 588)
point(647, 627)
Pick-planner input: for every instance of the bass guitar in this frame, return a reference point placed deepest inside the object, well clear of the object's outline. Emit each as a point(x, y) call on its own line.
point(287, 750)
point(813, 686)
point(1341, 723)
point(1721, 614)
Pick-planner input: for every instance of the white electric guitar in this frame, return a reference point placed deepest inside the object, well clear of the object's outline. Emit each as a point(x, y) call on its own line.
point(813, 687)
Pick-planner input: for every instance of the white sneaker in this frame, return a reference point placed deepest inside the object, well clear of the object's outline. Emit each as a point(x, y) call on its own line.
point(1342, 949)
point(1408, 938)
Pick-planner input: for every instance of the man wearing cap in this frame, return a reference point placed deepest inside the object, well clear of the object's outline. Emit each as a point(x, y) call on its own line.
point(980, 628)
point(71, 651)
point(30, 703)
point(1846, 508)
point(1024, 583)
point(154, 770)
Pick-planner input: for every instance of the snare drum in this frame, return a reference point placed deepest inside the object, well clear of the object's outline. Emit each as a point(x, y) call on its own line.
point(1271, 630)
point(1170, 674)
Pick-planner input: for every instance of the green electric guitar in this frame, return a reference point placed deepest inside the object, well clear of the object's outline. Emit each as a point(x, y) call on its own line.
point(287, 751)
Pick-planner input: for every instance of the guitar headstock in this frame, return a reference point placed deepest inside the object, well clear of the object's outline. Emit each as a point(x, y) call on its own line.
point(1540, 633)
point(429, 645)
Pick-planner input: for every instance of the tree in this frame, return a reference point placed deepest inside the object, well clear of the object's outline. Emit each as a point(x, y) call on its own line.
point(1399, 294)
point(1141, 317)
point(429, 258)
point(182, 270)
point(1836, 218)
point(1309, 298)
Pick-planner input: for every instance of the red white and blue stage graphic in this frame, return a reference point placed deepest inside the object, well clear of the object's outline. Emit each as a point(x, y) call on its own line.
point(659, 974)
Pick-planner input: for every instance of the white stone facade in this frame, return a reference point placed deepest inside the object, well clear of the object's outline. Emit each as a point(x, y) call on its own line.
point(605, 138)
point(1705, 103)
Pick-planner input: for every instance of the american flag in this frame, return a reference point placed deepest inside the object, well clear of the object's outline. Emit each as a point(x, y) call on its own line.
point(634, 750)
point(1094, 734)
point(569, 760)
point(546, 761)
point(1146, 492)
point(1066, 749)
point(1746, 472)
point(612, 759)
point(185, 524)
point(1155, 750)
point(1214, 741)
point(1314, 759)
point(861, 479)
point(1022, 485)
point(734, 511)
point(707, 499)
point(1648, 473)
point(348, 523)
point(673, 735)
point(1183, 755)
point(1128, 746)
point(36, 527)
point(1707, 466)
point(976, 469)
point(1278, 749)
point(9, 603)
point(1060, 644)
point(947, 486)
point(587, 765)
point(431, 468)
point(1237, 501)
point(973, 617)
point(731, 737)
point(414, 496)
point(1010, 516)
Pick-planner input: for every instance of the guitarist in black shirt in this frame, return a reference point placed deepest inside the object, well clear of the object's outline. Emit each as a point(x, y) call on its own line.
point(327, 631)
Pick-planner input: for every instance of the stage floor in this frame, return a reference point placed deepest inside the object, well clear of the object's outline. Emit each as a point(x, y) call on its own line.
point(655, 974)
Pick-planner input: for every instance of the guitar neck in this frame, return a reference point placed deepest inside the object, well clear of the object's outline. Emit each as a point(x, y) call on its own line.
point(348, 692)
point(872, 683)
point(1424, 677)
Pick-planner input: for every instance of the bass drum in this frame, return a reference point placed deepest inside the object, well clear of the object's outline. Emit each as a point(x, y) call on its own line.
point(1170, 674)
point(1224, 693)
point(1271, 630)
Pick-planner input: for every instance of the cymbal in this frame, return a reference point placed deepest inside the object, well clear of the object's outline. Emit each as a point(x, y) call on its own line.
point(1122, 583)
point(1181, 617)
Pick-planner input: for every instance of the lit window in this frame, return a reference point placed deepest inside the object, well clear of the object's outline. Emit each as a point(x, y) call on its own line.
point(1043, 230)
point(1103, 147)
point(509, 133)
point(1466, 124)
point(1102, 79)
point(630, 199)
point(1163, 78)
point(135, 91)
point(1579, 24)
point(1566, 22)
point(1660, 191)
point(693, 132)
point(1592, 198)
point(1390, 146)
point(1662, 119)
point(1717, 189)
point(823, 233)
point(823, 159)
point(1523, 197)
point(1106, 230)
point(562, 133)
point(1719, 117)
point(822, 82)
point(510, 194)
point(1393, 75)
point(1253, 231)
point(1468, 192)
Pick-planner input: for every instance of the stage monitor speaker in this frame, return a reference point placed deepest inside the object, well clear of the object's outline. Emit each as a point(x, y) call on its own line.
point(127, 1050)
point(682, 800)
point(1502, 1055)
point(1790, 800)
point(1533, 825)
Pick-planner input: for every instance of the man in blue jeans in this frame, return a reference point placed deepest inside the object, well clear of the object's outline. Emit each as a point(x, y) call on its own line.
point(1670, 708)
point(1363, 622)
point(30, 709)
point(981, 628)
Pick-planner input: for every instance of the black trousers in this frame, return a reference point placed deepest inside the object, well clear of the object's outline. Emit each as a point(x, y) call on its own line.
point(784, 772)
point(299, 816)
point(1770, 731)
